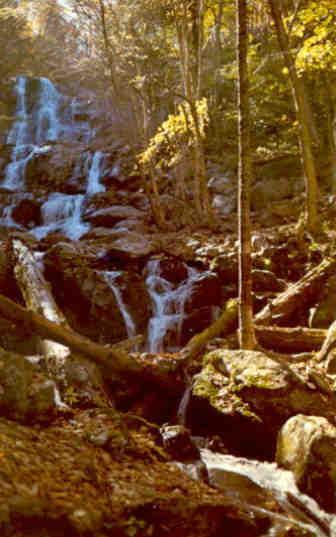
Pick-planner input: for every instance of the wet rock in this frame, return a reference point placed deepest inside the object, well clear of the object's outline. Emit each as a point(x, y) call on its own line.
point(248, 396)
point(178, 442)
point(224, 205)
point(307, 447)
point(27, 213)
point(132, 224)
point(173, 270)
point(265, 280)
point(131, 245)
point(109, 216)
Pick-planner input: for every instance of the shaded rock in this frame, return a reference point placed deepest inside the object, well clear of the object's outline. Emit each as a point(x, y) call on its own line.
point(27, 213)
point(307, 447)
point(196, 321)
point(265, 280)
point(248, 396)
point(206, 291)
point(109, 216)
point(271, 190)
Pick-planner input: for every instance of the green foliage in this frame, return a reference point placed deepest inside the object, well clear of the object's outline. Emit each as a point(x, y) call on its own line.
point(175, 137)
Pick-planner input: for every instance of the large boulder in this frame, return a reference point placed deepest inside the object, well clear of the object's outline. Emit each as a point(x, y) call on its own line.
point(273, 190)
point(307, 447)
point(25, 391)
point(109, 216)
point(248, 396)
point(206, 290)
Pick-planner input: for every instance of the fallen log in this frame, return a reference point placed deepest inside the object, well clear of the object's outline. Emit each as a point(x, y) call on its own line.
point(299, 295)
point(159, 369)
point(38, 298)
point(290, 340)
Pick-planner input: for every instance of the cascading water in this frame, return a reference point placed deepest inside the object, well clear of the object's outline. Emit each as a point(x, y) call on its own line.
point(235, 474)
point(94, 186)
point(168, 305)
point(111, 278)
point(62, 213)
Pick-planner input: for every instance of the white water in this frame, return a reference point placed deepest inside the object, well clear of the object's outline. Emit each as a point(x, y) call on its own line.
point(168, 305)
point(94, 186)
point(48, 125)
point(279, 482)
point(62, 213)
point(111, 279)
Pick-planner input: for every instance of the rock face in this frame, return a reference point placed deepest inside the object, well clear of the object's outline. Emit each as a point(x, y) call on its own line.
point(307, 447)
point(323, 315)
point(248, 396)
point(87, 298)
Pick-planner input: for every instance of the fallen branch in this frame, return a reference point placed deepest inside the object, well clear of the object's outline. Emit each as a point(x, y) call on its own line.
point(114, 358)
point(38, 298)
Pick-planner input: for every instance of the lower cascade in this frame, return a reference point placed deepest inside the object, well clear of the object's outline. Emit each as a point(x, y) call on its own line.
point(168, 305)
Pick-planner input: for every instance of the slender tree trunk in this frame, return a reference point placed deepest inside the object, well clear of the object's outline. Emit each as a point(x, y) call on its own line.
point(246, 329)
point(107, 46)
point(301, 105)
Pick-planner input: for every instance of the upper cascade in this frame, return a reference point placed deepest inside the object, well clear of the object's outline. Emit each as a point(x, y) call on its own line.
point(43, 116)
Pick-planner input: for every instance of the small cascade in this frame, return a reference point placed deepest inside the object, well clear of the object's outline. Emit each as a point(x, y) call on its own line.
point(238, 475)
point(168, 305)
point(110, 278)
point(62, 213)
point(93, 185)
point(6, 218)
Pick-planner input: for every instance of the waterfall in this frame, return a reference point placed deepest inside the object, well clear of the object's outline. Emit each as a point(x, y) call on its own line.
point(63, 213)
point(110, 278)
point(168, 305)
point(93, 185)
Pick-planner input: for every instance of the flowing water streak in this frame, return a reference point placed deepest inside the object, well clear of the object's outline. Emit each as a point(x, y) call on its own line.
point(168, 305)
point(279, 482)
point(94, 186)
point(110, 278)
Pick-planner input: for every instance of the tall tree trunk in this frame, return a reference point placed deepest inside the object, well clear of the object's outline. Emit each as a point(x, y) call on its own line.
point(302, 108)
point(246, 329)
